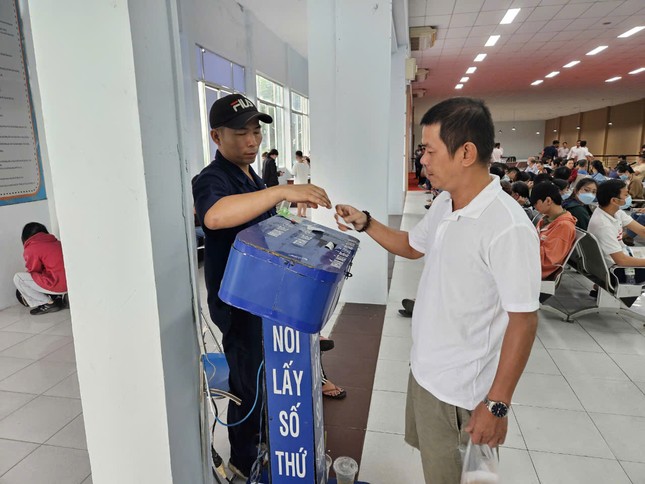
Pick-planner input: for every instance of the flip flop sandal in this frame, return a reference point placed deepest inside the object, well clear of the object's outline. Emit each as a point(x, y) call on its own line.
point(404, 313)
point(338, 396)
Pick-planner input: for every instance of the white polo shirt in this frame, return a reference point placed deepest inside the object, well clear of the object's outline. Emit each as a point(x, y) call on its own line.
point(609, 232)
point(482, 261)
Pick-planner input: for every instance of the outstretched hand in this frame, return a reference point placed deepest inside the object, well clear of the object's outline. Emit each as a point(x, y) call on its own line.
point(312, 195)
point(346, 214)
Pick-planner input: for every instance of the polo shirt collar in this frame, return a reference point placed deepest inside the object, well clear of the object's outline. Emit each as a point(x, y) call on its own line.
point(605, 214)
point(481, 202)
point(236, 172)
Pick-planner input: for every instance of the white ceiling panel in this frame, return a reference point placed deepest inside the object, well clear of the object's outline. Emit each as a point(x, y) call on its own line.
point(574, 11)
point(630, 7)
point(600, 9)
point(417, 8)
point(496, 5)
point(463, 20)
point(417, 21)
point(543, 13)
point(484, 31)
point(457, 33)
point(466, 6)
point(439, 21)
point(441, 7)
point(492, 17)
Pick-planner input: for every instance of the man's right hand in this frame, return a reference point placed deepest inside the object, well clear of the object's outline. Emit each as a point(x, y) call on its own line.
point(312, 195)
point(350, 215)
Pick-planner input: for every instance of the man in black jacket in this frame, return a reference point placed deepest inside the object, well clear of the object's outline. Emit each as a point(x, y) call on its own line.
point(270, 170)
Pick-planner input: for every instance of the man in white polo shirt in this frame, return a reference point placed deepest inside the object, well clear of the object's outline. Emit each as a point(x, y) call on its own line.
point(607, 223)
point(475, 316)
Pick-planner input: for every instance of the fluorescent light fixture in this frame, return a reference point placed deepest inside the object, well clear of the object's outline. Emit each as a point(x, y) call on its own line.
point(552, 74)
point(464, 79)
point(471, 70)
point(631, 32)
point(571, 64)
point(459, 86)
point(480, 57)
point(492, 40)
point(600, 48)
point(612, 79)
point(510, 15)
point(537, 83)
point(638, 71)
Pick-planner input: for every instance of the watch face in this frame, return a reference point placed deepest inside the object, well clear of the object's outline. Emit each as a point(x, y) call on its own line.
point(499, 409)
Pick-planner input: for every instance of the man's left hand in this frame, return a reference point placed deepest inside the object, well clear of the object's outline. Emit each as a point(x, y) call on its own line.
point(485, 428)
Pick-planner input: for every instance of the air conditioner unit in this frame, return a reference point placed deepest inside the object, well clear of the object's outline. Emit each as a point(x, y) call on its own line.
point(422, 74)
point(410, 69)
point(422, 38)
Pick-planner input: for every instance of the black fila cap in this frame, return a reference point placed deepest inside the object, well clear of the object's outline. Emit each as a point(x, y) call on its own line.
point(234, 111)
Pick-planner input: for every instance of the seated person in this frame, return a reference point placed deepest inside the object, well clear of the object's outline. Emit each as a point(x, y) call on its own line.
point(562, 173)
point(598, 171)
point(634, 184)
point(45, 276)
point(520, 192)
point(563, 186)
point(582, 167)
point(578, 203)
point(557, 227)
point(513, 174)
point(607, 224)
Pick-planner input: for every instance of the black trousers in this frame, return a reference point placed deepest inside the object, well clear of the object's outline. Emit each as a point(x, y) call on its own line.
point(242, 340)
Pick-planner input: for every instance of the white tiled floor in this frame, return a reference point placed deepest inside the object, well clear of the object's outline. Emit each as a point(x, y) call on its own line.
point(578, 412)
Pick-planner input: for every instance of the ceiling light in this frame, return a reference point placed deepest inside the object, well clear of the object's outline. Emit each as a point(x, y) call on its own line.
point(537, 132)
point(600, 48)
point(510, 16)
point(577, 127)
point(638, 71)
point(492, 40)
point(535, 83)
point(571, 64)
point(552, 74)
point(480, 57)
point(459, 86)
point(471, 70)
point(610, 123)
point(612, 79)
point(631, 32)
point(464, 79)
point(555, 130)
point(513, 128)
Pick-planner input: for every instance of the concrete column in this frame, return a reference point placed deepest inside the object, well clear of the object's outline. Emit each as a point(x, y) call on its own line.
point(112, 96)
point(397, 171)
point(349, 92)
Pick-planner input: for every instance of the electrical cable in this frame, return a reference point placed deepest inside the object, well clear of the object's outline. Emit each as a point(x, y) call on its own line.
point(255, 402)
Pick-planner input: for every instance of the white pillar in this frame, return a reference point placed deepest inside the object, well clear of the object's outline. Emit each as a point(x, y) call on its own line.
point(397, 169)
point(349, 91)
point(111, 102)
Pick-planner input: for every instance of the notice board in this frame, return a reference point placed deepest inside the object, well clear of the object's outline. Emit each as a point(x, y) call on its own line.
point(21, 174)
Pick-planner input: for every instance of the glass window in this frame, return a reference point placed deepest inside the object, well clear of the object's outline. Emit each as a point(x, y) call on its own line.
point(217, 70)
point(270, 101)
point(238, 78)
point(299, 123)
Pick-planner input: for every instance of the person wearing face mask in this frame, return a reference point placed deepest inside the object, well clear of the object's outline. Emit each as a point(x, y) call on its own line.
point(578, 203)
point(557, 227)
point(635, 191)
point(598, 171)
point(607, 224)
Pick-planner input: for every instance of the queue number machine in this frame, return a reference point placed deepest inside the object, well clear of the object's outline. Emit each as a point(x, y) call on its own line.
point(290, 271)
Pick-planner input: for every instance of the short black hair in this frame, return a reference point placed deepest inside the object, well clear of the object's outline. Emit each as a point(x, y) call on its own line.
point(497, 145)
point(524, 176)
point(513, 168)
point(501, 166)
point(506, 186)
point(273, 152)
point(560, 183)
point(556, 141)
point(583, 143)
point(496, 170)
point(624, 168)
point(31, 229)
point(462, 120)
point(298, 153)
point(562, 173)
point(545, 190)
point(582, 162)
point(521, 188)
point(541, 178)
point(608, 190)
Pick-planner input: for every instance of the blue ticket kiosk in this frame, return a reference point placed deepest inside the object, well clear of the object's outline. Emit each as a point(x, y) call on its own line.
point(290, 271)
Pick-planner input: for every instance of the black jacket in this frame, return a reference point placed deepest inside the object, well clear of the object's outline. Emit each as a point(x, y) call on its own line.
point(270, 172)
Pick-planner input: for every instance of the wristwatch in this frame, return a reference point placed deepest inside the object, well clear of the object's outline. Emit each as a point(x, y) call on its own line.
point(499, 409)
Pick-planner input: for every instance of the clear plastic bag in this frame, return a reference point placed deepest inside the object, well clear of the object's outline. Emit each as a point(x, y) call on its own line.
point(480, 465)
